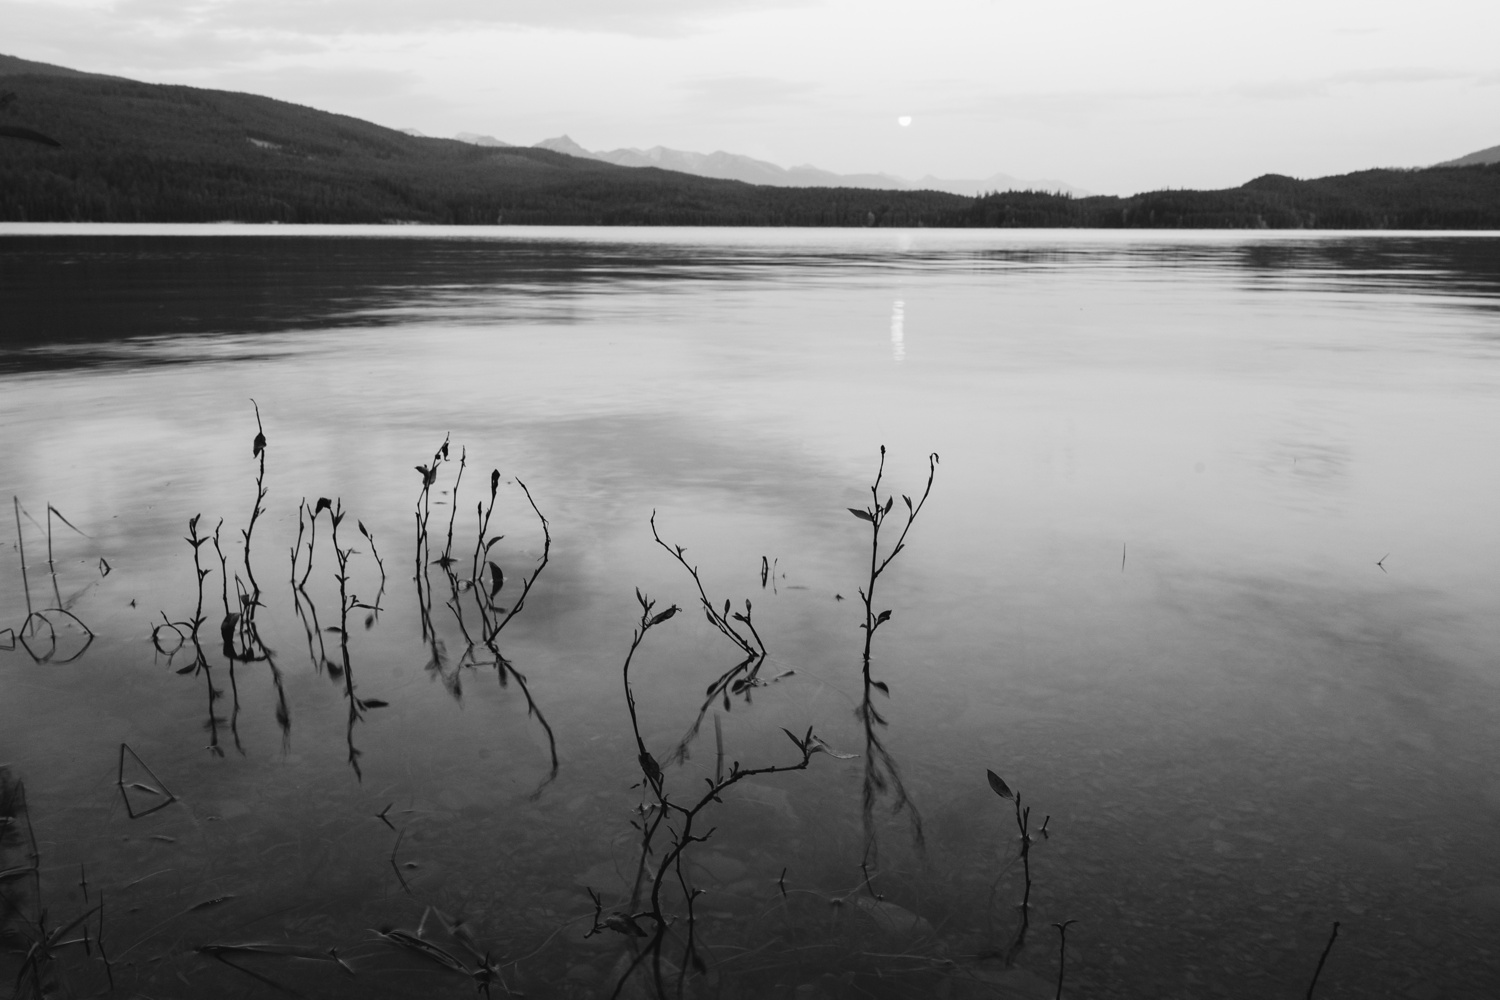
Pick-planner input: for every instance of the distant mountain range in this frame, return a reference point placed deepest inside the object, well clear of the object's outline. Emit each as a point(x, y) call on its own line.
point(78, 146)
point(736, 167)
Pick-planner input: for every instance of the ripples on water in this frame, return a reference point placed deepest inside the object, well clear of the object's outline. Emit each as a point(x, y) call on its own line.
point(1208, 575)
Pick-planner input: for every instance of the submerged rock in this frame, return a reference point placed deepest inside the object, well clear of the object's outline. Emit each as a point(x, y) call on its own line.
point(896, 923)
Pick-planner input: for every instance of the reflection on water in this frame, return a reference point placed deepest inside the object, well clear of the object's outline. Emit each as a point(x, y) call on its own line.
point(898, 331)
point(1277, 712)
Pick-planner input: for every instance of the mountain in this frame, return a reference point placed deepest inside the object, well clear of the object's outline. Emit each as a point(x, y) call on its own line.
point(14, 66)
point(115, 150)
point(736, 167)
point(140, 152)
point(1491, 155)
point(480, 140)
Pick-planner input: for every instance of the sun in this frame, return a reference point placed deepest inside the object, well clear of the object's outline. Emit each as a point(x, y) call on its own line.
point(904, 121)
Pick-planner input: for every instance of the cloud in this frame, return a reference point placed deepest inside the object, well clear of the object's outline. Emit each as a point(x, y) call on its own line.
point(343, 18)
point(1071, 107)
point(150, 38)
point(102, 40)
point(1301, 89)
point(331, 84)
point(743, 93)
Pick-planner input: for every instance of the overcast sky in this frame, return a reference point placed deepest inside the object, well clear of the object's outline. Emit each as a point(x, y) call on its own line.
point(1114, 96)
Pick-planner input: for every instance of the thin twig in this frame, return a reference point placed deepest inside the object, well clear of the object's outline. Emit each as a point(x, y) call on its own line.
point(1323, 958)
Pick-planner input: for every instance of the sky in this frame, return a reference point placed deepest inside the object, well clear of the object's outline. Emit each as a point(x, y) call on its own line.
point(1113, 97)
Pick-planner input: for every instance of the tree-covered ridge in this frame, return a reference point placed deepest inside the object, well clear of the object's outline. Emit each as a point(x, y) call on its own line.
point(137, 152)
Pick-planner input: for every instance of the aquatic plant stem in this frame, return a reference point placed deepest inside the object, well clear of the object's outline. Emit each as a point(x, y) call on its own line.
point(881, 772)
point(21, 547)
point(1321, 959)
point(1062, 953)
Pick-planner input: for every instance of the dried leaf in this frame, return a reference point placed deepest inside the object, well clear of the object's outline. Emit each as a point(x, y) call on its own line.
point(622, 924)
point(818, 746)
point(210, 902)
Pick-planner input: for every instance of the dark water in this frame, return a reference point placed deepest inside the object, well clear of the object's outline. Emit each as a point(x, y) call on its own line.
point(1209, 573)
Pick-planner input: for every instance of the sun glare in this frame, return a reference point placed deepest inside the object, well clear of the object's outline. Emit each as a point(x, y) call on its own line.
point(904, 121)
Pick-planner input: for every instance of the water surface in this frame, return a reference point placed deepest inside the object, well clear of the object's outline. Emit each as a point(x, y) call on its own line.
point(1208, 573)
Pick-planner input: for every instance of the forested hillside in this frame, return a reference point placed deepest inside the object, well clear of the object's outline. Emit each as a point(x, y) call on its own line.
point(137, 152)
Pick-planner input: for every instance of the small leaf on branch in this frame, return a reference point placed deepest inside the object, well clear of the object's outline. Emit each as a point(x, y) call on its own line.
point(800, 744)
point(373, 703)
point(497, 580)
point(664, 616)
point(323, 504)
point(888, 502)
point(884, 688)
point(818, 746)
point(259, 446)
point(1000, 787)
point(884, 616)
point(863, 515)
point(622, 924)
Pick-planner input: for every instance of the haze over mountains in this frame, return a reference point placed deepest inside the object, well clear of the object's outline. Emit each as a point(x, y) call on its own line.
point(737, 167)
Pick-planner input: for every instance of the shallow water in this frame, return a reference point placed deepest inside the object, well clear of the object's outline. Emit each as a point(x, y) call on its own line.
point(1208, 573)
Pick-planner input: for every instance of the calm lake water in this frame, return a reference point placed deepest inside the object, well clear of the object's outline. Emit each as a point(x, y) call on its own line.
point(1209, 573)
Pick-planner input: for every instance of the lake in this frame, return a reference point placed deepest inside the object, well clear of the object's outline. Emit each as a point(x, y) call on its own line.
point(1208, 573)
